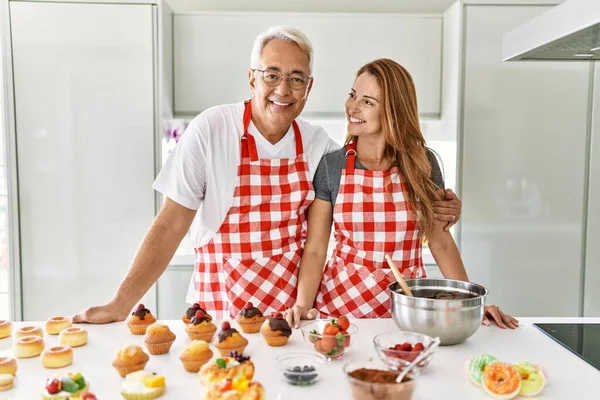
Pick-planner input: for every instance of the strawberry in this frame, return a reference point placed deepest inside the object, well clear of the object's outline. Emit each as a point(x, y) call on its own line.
point(225, 326)
point(418, 347)
point(346, 338)
point(331, 329)
point(141, 306)
point(248, 305)
point(328, 343)
point(405, 347)
point(313, 336)
point(343, 323)
point(199, 314)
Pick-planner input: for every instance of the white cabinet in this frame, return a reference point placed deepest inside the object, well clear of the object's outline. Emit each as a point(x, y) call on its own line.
point(212, 55)
point(85, 134)
point(523, 149)
point(592, 263)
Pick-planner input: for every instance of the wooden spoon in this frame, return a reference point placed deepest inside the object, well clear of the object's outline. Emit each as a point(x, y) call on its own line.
point(398, 275)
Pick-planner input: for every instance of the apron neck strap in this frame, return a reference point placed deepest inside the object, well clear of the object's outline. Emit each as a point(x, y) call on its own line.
point(249, 143)
point(350, 155)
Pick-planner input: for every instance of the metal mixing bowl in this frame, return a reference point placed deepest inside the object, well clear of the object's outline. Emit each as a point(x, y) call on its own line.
point(453, 321)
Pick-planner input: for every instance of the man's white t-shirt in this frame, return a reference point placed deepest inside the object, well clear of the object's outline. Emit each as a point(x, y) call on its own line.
point(201, 171)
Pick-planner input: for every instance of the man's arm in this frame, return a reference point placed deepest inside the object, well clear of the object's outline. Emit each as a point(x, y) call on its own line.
point(157, 249)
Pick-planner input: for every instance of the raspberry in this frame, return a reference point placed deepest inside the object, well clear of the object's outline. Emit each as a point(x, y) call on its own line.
point(225, 326)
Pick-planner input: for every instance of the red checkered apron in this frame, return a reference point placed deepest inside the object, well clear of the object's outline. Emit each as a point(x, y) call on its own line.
point(254, 256)
point(372, 218)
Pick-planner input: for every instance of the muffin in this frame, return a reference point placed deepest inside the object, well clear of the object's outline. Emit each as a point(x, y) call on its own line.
point(140, 320)
point(194, 355)
point(143, 385)
point(276, 330)
point(129, 359)
point(250, 319)
point(190, 313)
point(238, 388)
point(158, 339)
point(200, 327)
point(226, 368)
point(229, 339)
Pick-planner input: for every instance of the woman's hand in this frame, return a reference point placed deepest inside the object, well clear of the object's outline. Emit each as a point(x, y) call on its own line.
point(500, 318)
point(448, 209)
point(298, 312)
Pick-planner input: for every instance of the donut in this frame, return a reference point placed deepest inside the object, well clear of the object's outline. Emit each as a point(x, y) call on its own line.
point(5, 329)
point(30, 346)
point(29, 331)
point(73, 337)
point(57, 357)
point(533, 378)
point(6, 381)
point(8, 365)
point(56, 324)
point(475, 366)
point(501, 381)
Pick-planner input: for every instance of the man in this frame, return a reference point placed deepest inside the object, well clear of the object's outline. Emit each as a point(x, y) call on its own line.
point(242, 174)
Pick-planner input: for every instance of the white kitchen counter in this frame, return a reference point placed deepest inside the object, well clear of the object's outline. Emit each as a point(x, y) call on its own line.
point(444, 378)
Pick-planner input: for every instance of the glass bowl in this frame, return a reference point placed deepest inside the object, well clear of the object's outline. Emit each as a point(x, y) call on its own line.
point(300, 369)
point(377, 388)
point(388, 348)
point(331, 346)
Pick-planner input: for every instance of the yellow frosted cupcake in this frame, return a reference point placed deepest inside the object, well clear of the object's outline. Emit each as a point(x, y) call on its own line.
point(200, 327)
point(159, 339)
point(229, 339)
point(194, 355)
point(250, 319)
point(143, 385)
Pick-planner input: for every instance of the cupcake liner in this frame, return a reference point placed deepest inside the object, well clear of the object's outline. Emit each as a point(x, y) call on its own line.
point(127, 369)
point(144, 396)
point(195, 365)
point(224, 351)
point(250, 327)
point(138, 329)
point(206, 336)
point(276, 341)
point(159, 348)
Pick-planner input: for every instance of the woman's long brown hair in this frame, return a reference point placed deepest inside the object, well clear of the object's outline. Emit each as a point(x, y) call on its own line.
point(405, 144)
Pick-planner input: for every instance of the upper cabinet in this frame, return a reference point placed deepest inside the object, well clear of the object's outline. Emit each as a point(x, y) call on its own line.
point(212, 55)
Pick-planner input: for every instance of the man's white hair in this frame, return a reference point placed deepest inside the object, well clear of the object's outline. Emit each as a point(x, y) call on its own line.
point(289, 35)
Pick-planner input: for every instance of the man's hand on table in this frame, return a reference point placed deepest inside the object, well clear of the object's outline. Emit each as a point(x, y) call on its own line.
point(103, 314)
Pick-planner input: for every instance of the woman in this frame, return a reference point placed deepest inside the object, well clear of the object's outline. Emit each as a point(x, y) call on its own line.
point(379, 192)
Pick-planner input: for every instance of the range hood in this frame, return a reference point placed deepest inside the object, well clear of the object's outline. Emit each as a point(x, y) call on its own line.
point(568, 31)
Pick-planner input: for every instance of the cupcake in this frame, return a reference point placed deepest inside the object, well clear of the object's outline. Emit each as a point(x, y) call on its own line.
point(237, 388)
point(250, 319)
point(194, 355)
point(159, 339)
point(276, 330)
point(129, 359)
point(140, 320)
point(200, 327)
point(229, 339)
point(65, 386)
point(190, 313)
point(143, 385)
point(226, 368)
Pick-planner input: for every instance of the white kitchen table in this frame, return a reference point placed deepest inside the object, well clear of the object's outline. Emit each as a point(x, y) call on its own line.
point(444, 378)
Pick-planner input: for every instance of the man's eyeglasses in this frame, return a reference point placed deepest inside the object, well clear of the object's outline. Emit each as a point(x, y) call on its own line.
point(272, 77)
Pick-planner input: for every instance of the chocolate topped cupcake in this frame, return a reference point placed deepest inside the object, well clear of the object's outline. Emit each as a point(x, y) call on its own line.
point(139, 320)
point(201, 327)
point(229, 339)
point(276, 330)
point(191, 312)
point(250, 319)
